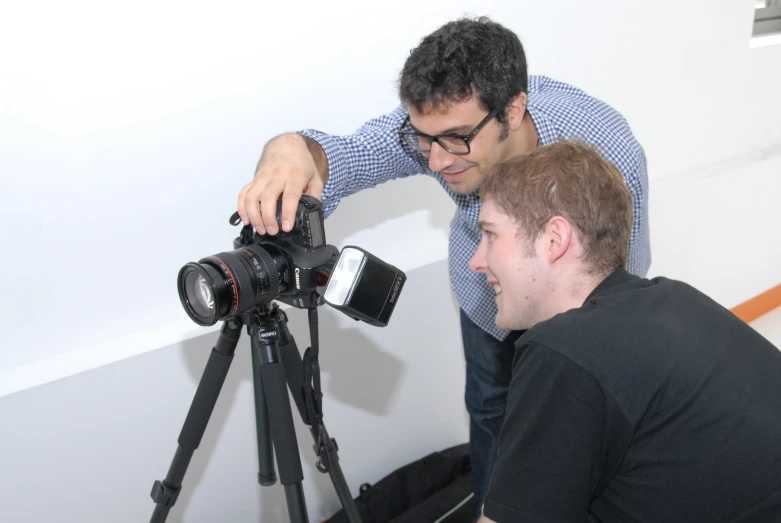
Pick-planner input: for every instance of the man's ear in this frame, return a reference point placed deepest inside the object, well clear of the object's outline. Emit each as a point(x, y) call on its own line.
point(558, 238)
point(515, 111)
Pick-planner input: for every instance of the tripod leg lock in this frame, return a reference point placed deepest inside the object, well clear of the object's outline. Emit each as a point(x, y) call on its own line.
point(163, 495)
point(326, 448)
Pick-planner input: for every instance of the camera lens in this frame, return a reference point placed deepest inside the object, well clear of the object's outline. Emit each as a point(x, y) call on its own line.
point(230, 283)
point(200, 293)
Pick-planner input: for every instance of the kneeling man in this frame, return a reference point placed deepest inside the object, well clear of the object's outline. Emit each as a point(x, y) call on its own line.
point(632, 400)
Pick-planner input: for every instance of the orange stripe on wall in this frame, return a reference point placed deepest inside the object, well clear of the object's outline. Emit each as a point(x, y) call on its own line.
point(758, 305)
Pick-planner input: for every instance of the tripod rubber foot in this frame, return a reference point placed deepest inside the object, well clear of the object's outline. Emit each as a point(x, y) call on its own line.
point(267, 480)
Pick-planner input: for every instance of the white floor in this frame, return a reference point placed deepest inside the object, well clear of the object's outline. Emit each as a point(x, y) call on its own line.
point(769, 326)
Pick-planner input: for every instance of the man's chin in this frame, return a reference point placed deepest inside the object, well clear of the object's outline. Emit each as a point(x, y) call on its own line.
point(465, 182)
point(510, 325)
point(462, 188)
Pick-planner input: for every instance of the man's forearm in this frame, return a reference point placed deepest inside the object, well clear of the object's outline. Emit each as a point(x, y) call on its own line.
point(280, 147)
point(318, 154)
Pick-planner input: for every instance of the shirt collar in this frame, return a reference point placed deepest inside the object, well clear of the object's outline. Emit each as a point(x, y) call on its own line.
point(546, 133)
point(617, 277)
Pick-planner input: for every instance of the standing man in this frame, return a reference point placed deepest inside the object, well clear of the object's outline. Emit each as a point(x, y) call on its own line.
point(467, 103)
point(631, 400)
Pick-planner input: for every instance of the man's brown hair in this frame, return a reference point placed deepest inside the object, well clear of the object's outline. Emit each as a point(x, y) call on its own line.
point(572, 180)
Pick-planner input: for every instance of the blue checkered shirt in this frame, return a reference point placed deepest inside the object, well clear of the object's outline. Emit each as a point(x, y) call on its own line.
point(375, 154)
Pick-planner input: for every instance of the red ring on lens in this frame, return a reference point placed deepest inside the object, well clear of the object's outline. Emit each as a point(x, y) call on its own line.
point(233, 282)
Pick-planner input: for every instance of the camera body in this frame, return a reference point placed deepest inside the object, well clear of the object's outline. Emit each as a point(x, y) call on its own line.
point(306, 258)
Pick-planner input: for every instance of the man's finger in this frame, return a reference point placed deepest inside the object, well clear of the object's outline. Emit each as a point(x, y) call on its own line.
point(240, 205)
point(252, 208)
point(290, 198)
point(268, 205)
point(315, 188)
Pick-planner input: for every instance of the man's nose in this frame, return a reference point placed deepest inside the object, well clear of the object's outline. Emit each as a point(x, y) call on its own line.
point(476, 261)
point(439, 159)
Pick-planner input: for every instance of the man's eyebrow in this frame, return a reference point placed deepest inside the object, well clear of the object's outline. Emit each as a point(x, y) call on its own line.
point(458, 129)
point(482, 224)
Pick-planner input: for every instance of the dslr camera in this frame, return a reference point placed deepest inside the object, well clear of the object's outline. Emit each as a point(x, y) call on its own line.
point(297, 267)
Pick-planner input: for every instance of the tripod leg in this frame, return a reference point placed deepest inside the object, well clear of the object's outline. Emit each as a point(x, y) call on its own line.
point(165, 493)
point(337, 477)
point(266, 474)
point(291, 358)
point(272, 376)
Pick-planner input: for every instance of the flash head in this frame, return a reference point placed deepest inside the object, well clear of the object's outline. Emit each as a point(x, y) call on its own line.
point(364, 287)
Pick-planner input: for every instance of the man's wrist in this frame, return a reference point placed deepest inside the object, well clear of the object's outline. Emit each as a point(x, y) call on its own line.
point(318, 155)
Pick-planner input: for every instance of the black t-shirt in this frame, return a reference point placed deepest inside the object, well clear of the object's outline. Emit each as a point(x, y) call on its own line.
point(650, 403)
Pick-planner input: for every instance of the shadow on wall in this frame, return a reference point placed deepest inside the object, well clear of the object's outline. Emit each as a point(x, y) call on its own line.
point(388, 201)
point(345, 356)
point(350, 362)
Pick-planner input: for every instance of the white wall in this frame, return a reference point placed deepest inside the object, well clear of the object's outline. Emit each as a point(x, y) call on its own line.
point(126, 133)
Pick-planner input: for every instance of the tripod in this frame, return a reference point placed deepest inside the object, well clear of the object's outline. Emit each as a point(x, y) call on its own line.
point(276, 363)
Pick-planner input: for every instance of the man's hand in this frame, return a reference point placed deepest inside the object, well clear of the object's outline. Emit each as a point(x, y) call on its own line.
point(287, 168)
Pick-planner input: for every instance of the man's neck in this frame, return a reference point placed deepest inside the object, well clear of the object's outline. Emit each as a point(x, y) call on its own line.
point(587, 283)
point(522, 140)
point(573, 296)
point(528, 134)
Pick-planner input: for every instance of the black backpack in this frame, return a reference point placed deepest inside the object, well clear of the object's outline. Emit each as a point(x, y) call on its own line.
point(433, 489)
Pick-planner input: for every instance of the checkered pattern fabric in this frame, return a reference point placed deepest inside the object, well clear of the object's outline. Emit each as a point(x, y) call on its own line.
point(375, 154)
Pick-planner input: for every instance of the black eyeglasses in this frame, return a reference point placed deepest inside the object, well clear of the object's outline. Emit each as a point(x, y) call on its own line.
point(452, 143)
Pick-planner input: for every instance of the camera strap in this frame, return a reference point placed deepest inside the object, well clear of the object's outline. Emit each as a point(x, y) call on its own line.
point(313, 394)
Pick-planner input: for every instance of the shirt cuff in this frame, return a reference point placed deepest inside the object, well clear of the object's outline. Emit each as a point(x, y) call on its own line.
point(337, 167)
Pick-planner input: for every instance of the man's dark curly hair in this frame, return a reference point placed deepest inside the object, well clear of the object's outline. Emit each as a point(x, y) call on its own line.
point(464, 58)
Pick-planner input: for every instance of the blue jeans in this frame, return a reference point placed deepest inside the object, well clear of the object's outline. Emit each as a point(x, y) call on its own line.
point(488, 372)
